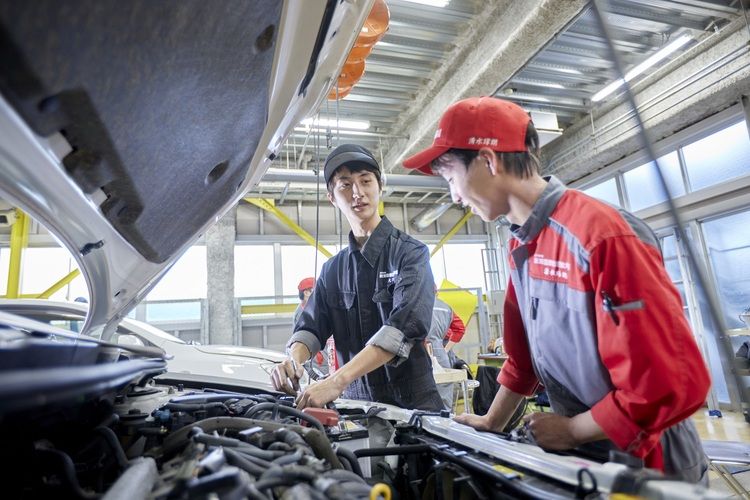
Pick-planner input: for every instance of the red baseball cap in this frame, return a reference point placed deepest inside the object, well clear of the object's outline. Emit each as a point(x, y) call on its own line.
point(475, 123)
point(305, 284)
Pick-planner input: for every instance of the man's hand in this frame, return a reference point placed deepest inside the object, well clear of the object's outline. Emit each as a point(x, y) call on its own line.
point(285, 376)
point(550, 431)
point(318, 394)
point(479, 422)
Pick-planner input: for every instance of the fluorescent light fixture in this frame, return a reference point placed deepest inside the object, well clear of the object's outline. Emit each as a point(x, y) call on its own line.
point(432, 3)
point(307, 129)
point(423, 219)
point(328, 122)
point(640, 68)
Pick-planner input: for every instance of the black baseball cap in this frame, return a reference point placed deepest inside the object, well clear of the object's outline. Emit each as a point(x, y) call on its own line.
point(350, 155)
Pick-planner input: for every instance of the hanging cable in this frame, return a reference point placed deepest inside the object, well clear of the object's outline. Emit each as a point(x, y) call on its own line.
point(704, 287)
point(317, 196)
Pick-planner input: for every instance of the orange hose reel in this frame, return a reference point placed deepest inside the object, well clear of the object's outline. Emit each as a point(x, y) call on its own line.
point(372, 31)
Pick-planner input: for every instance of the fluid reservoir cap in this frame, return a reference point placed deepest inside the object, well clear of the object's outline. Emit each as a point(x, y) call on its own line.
point(325, 416)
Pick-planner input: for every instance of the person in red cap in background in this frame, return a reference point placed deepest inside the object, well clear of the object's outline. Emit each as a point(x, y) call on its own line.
point(305, 288)
point(321, 361)
point(590, 312)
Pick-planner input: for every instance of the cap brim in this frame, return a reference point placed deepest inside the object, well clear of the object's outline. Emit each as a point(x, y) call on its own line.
point(422, 160)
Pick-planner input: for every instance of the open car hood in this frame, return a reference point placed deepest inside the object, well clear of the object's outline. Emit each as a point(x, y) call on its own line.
point(127, 129)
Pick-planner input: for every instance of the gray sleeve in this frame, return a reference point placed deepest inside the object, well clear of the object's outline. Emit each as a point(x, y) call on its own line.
point(307, 338)
point(392, 340)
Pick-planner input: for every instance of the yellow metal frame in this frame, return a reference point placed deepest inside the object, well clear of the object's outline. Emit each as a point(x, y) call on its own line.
point(269, 206)
point(268, 308)
point(451, 233)
point(59, 284)
point(19, 239)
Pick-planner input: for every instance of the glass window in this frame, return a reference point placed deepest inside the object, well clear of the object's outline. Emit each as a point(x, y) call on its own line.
point(187, 279)
point(605, 191)
point(718, 157)
point(460, 263)
point(728, 243)
point(42, 267)
point(253, 271)
point(173, 311)
point(643, 186)
point(298, 262)
point(4, 265)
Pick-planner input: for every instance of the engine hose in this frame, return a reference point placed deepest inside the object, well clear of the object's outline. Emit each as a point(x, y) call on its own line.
point(68, 475)
point(253, 494)
point(350, 458)
point(111, 439)
point(345, 491)
point(289, 459)
point(276, 407)
point(177, 440)
point(248, 454)
point(296, 472)
point(289, 437)
point(226, 442)
point(238, 460)
point(186, 407)
point(344, 475)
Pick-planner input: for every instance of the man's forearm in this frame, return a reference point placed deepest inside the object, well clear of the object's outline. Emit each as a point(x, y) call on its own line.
point(503, 407)
point(299, 352)
point(449, 345)
point(367, 360)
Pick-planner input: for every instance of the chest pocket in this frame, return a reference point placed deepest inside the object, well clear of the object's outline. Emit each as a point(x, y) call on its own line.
point(341, 299)
point(551, 297)
point(385, 293)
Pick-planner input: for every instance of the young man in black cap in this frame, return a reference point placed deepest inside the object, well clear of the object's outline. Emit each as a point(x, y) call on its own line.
point(375, 298)
point(590, 312)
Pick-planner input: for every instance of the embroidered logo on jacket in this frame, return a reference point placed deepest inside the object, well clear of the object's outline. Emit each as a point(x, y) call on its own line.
point(551, 267)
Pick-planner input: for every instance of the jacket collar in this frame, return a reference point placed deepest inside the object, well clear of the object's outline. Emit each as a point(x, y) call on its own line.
point(374, 244)
point(541, 211)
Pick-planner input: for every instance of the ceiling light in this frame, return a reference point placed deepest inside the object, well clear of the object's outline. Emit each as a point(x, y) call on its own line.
point(431, 3)
point(307, 129)
point(333, 123)
point(423, 219)
point(640, 68)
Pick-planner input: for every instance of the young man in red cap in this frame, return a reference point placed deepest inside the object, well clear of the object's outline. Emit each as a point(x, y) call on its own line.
point(375, 298)
point(590, 312)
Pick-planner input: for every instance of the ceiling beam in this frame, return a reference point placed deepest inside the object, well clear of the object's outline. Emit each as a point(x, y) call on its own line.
point(500, 41)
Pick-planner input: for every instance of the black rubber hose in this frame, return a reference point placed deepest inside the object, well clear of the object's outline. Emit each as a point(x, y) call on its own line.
point(289, 437)
point(287, 410)
point(252, 458)
point(111, 439)
point(349, 457)
point(297, 472)
point(238, 460)
point(194, 406)
point(344, 475)
point(68, 475)
point(289, 458)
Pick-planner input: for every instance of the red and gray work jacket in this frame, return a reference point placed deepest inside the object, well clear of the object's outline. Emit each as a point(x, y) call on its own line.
point(591, 314)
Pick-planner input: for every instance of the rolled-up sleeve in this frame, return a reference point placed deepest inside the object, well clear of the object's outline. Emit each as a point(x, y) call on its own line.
point(413, 299)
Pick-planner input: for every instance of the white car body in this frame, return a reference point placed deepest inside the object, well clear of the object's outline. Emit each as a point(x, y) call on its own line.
point(238, 367)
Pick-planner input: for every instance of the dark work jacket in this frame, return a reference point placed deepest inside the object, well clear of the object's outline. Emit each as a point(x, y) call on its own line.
point(382, 295)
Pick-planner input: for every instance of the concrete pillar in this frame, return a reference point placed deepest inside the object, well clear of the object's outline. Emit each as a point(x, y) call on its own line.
point(222, 320)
